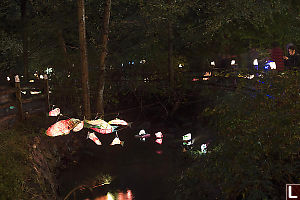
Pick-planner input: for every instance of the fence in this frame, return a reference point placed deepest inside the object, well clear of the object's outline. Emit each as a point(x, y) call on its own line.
point(21, 94)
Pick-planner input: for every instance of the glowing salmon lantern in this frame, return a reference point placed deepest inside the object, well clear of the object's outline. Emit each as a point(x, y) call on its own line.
point(99, 123)
point(54, 113)
point(118, 122)
point(99, 126)
point(59, 128)
point(62, 127)
point(79, 127)
point(93, 137)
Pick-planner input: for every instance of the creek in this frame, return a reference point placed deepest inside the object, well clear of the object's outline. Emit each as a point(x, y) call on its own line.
point(139, 169)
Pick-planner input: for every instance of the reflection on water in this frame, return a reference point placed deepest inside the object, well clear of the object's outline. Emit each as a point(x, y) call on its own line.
point(116, 196)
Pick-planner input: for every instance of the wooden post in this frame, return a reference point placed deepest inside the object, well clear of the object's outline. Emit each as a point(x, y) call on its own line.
point(46, 91)
point(19, 98)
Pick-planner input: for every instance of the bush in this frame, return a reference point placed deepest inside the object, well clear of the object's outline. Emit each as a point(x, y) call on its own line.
point(258, 148)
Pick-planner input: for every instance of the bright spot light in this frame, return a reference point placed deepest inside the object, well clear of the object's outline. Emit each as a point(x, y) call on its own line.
point(31, 81)
point(122, 65)
point(159, 134)
point(129, 194)
point(23, 92)
point(250, 76)
point(233, 62)
point(49, 70)
point(203, 148)
point(35, 92)
point(7, 78)
point(273, 65)
point(142, 132)
point(143, 61)
point(255, 62)
point(132, 62)
point(207, 74)
point(180, 65)
point(69, 76)
point(187, 136)
point(110, 196)
point(213, 63)
point(41, 77)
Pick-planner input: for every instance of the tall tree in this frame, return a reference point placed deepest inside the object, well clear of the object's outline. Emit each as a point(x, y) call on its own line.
point(24, 37)
point(170, 56)
point(84, 61)
point(104, 38)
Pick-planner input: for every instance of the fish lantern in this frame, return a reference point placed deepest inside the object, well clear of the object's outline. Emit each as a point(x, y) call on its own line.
point(204, 148)
point(117, 141)
point(187, 139)
point(93, 137)
point(79, 127)
point(99, 126)
point(59, 128)
point(62, 127)
point(142, 135)
point(118, 122)
point(159, 134)
point(159, 141)
point(54, 113)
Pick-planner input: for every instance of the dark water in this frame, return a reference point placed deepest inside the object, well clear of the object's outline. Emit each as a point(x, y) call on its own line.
point(139, 170)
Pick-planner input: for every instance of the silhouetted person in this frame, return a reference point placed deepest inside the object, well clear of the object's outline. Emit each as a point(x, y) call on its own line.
point(277, 56)
point(292, 60)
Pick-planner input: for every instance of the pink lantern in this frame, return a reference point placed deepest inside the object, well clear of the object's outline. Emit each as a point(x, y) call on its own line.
point(59, 128)
point(93, 137)
point(159, 141)
point(103, 131)
point(54, 113)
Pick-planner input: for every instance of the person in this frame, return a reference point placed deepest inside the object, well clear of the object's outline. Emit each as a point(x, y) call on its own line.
point(292, 60)
point(277, 56)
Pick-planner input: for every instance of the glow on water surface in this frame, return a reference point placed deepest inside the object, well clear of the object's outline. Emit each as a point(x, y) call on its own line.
point(119, 195)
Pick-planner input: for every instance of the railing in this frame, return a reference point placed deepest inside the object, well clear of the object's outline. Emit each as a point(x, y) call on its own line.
point(22, 94)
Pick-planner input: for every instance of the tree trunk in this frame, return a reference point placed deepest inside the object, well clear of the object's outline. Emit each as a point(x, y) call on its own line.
point(170, 55)
point(104, 38)
point(24, 38)
point(84, 61)
point(62, 44)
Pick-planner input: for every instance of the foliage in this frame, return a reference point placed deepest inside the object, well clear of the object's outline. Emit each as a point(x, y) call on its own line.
point(14, 168)
point(258, 148)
